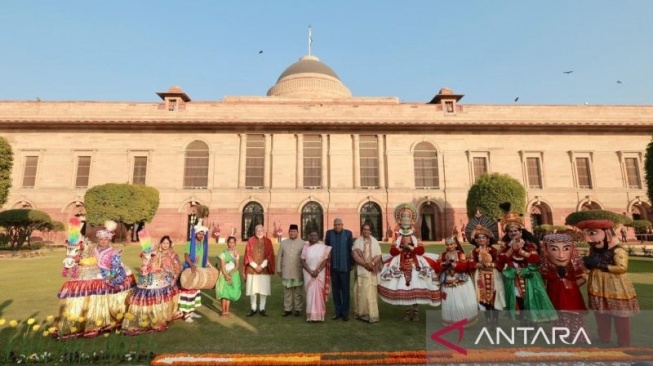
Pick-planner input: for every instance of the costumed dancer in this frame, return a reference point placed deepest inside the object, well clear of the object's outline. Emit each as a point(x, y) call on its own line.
point(482, 233)
point(195, 255)
point(228, 287)
point(154, 302)
point(562, 270)
point(408, 276)
point(611, 293)
point(457, 288)
point(94, 298)
point(523, 284)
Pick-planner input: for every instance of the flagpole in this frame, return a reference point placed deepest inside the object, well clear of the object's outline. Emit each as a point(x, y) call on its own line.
point(310, 40)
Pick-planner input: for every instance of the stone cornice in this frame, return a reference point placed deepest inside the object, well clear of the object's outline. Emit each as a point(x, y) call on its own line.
point(282, 113)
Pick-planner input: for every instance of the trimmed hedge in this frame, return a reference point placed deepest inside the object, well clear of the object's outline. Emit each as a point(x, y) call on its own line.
point(618, 219)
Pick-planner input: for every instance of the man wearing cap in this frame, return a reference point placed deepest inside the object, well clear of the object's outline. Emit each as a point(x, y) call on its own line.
point(258, 266)
point(611, 293)
point(196, 255)
point(289, 267)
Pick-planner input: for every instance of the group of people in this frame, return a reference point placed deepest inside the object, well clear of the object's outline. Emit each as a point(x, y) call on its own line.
point(535, 281)
point(538, 281)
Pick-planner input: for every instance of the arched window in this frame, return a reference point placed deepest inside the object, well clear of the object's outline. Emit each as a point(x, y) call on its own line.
point(371, 214)
point(425, 158)
point(196, 167)
point(252, 216)
point(312, 220)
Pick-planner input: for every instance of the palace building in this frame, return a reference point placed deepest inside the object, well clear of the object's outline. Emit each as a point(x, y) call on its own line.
point(309, 151)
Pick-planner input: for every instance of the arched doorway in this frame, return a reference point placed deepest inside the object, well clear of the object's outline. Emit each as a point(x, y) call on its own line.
point(371, 214)
point(540, 214)
point(252, 216)
point(312, 220)
point(427, 227)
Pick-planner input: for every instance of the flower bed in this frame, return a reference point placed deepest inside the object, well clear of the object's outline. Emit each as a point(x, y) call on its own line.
point(412, 357)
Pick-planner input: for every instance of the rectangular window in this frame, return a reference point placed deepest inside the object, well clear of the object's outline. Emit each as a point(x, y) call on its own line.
point(369, 160)
point(584, 173)
point(480, 167)
point(534, 171)
point(140, 170)
point(632, 173)
point(312, 161)
point(255, 161)
point(29, 175)
point(83, 171)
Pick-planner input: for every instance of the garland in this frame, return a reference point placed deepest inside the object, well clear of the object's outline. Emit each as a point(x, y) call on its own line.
point(410, 357)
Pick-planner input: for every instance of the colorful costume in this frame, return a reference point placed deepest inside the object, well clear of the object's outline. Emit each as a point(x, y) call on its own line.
point(456, 285)
point(195, 254)
point(523, 284)
point(223, 290)
point(408, 276)
point(154, 302)
point(611, 293)
point(94, 298)
point(490, 294)
point(562, 270)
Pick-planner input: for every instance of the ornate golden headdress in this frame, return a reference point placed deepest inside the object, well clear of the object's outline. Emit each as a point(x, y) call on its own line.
point(510, 218)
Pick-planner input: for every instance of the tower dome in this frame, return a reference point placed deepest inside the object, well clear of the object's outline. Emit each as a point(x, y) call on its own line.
point(309, 78)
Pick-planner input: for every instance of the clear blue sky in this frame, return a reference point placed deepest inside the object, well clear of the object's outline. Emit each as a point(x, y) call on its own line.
point(490, 50)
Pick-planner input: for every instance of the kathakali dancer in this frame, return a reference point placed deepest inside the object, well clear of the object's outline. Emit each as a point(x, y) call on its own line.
point(523, 284)
point(154, 302)
point(562, 270)
point(456, 284)
point(490, 295)
point(611, 293)
point(408, 276)
point(94, 298)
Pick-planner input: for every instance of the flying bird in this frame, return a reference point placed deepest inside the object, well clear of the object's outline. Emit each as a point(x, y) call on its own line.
point(619, 82)
point(260, 52)
point(568, 72)
point(516, 99)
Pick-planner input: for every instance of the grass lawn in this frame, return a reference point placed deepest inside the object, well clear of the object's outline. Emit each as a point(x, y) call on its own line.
point(29, 289)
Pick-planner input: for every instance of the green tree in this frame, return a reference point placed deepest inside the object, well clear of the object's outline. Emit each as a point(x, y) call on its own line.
point(122, 203)
point(493, 189)
point(19, 224)
point(6, 163)
point(648, 170)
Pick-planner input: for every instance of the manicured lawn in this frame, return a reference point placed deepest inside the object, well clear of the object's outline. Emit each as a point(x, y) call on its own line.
point(29, 289)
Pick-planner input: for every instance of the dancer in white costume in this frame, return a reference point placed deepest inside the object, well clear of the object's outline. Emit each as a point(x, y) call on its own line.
point(457, 288)
point(408, 276)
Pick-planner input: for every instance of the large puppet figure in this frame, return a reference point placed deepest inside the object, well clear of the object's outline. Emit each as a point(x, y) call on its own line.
point(562, 270)
point(482, 233)
point(611, 293)
point(523, 284)
point(408, 276)
point(94, 298)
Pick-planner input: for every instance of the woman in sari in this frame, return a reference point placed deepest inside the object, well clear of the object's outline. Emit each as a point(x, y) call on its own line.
point(315, 260)
point(228, 288)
